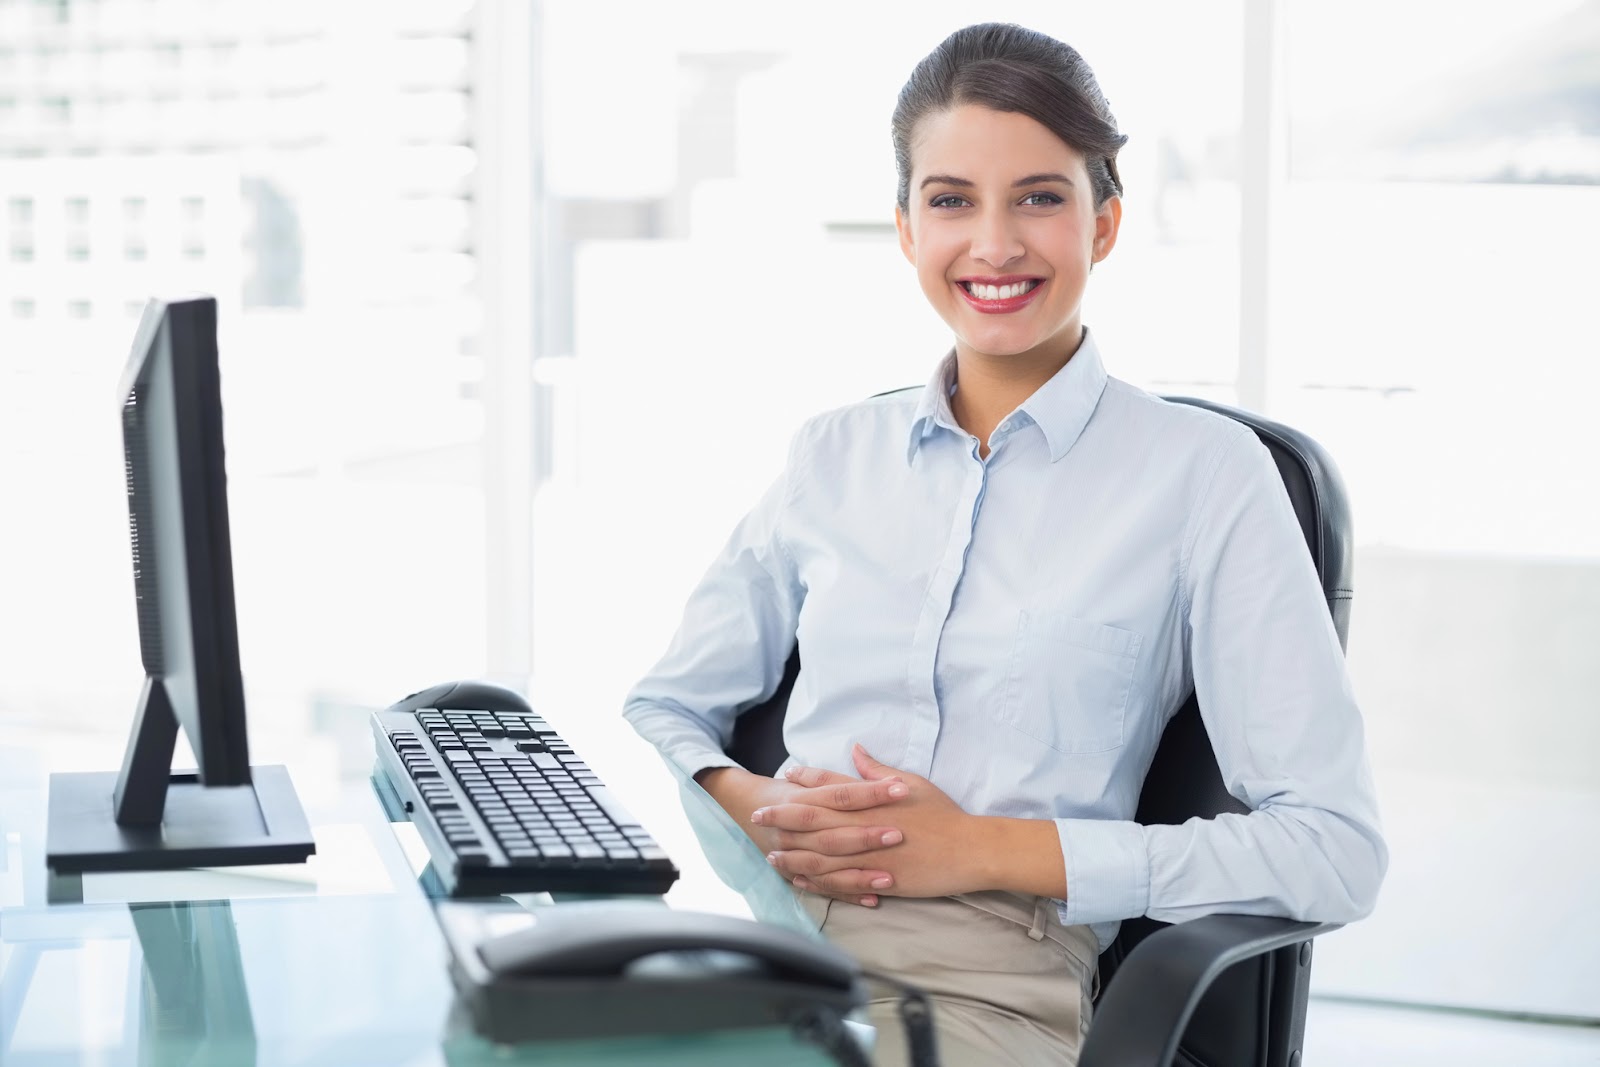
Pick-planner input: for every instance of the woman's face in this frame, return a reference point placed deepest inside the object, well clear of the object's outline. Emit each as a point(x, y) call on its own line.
point(1002, 229)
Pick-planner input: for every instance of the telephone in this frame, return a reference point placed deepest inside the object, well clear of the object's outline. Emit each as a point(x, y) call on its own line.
point(612, 968)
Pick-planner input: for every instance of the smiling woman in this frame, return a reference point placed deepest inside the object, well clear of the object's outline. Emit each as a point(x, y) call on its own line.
point(1003, 259)
point(1002, 588)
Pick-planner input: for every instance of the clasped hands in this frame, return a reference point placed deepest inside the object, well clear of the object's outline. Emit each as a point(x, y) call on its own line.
point(888, 832)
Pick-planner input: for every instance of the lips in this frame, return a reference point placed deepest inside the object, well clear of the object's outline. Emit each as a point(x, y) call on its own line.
point(999, 296)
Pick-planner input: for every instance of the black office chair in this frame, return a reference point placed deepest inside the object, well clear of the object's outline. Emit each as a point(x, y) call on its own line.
point(1224, 990)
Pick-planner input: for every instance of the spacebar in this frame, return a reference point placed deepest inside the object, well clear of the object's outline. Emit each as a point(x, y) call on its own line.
point(613, 807)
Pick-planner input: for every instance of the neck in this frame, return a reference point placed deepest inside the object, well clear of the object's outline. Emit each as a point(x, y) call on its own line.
point(988, 388)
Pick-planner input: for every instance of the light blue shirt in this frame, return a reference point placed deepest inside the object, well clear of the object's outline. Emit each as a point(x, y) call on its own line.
point(1020, 629)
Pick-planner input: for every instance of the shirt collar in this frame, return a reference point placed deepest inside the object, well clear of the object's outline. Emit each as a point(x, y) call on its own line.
point(1061, 407)
point(933, 410)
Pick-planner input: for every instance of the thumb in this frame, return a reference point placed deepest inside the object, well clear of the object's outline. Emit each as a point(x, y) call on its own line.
point(870, 767)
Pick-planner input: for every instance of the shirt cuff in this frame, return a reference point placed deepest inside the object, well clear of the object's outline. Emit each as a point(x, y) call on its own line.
point(686, 744)
point(692, 759)
point(1108, 870)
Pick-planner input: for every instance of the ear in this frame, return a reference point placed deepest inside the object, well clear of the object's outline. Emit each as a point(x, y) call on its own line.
point(1107, 221)
point(902, 225)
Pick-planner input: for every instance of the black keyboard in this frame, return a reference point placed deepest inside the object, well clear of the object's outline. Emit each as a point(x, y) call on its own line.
point(506, 806)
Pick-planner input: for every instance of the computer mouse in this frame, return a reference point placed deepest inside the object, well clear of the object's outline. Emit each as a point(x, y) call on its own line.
point(464, 696)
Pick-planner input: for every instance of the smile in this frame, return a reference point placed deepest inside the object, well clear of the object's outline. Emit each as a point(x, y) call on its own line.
point(1000, 299)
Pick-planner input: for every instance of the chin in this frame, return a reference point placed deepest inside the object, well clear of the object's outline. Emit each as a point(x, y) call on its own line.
point(1002, 344)
point(1003, 347)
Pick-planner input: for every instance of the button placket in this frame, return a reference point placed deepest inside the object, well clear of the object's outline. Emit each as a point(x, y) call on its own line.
point(923, 733)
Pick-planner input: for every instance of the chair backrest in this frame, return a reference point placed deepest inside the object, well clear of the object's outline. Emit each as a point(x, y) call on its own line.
point(1254, 1011)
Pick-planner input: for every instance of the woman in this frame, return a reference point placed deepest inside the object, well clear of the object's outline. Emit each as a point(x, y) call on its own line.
point(1004, 587)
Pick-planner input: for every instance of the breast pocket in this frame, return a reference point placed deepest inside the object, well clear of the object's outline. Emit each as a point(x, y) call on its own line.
point(1068, 682)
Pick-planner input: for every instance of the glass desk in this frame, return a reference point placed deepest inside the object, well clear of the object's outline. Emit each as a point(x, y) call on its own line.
point(339, 961)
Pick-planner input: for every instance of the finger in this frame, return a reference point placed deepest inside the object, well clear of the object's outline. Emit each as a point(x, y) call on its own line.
point(849, 882)
point(868, 900)
point(799, 861)
point(854, 795)
point(807, 814)
point(868, 765)
point(834, 875)
point(840, 841)
point(805, 817)
point(814, 776)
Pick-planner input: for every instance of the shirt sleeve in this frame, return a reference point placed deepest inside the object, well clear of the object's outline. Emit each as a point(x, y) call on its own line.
point(1278, 705)
point(730, 648)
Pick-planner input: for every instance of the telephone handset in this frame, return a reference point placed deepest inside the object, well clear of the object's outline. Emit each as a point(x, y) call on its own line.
point(570, 945)
point(586, 969)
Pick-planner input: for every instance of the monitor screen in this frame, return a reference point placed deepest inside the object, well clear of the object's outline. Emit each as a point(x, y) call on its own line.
point(178, 524)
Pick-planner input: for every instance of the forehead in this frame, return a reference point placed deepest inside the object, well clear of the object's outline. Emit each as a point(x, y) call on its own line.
point(976, 143)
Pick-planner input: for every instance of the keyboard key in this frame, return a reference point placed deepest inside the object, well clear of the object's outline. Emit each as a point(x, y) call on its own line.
point(613, 807)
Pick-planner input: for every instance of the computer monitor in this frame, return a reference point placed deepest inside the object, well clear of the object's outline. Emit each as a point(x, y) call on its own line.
point(147, 817)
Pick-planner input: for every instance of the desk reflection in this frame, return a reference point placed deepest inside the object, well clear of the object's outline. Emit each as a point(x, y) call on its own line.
point(194, 1007)
point(148, 984)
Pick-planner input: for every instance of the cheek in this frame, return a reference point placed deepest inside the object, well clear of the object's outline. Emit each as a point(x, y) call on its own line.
point(936, 255)
point(1069, 241)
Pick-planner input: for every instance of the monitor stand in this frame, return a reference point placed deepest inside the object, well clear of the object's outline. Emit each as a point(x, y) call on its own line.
point(146, 818)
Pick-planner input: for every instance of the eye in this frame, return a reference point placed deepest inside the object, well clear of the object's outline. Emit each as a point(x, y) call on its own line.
point(948, 200)
point(1041, 200)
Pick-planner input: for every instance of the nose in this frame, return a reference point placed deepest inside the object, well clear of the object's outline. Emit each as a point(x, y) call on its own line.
point(995, 240)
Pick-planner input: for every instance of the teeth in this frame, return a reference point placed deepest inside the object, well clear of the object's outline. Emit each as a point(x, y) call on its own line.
point(999, 292)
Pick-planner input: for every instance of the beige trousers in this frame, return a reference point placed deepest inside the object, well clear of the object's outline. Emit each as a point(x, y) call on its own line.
point(1009, 984)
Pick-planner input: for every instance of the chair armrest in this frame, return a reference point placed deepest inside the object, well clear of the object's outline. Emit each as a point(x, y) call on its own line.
point(1144, 1011)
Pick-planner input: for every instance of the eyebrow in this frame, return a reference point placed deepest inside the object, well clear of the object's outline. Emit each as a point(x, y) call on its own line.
point(963, 183)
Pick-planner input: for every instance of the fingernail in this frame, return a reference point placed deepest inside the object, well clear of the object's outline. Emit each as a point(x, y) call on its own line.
point(772, 858)
point(882, 883)
point(758, 815)
point(800, 883)
point(869, 902)
point(898, 790)
point(893, 837)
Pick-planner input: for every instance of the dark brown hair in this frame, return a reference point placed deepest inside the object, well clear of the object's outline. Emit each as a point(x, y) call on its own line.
point(1009, 68)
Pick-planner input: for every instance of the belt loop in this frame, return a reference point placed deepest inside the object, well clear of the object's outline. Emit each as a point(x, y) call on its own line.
point(1036, 931)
